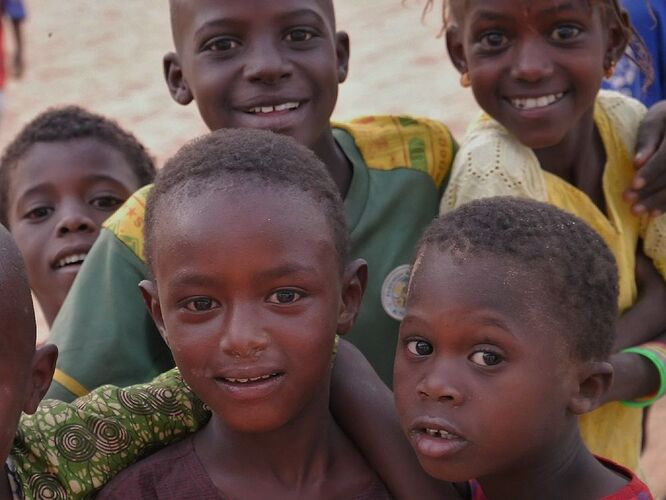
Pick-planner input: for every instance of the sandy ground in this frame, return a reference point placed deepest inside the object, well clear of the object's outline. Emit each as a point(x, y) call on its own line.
point(101, 55)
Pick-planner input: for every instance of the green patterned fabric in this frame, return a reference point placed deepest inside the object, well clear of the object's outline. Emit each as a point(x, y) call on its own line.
point(70, 450)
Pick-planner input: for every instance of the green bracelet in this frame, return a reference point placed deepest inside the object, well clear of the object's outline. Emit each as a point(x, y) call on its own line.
point(659, 364)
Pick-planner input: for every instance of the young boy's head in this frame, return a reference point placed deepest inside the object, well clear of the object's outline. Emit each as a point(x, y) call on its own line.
point(259, 64)
point(25, 375)
point(511, 314)
point(247, 244)
point(65, 173)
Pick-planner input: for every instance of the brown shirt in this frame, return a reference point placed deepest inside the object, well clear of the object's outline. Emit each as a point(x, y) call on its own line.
point(176, 473)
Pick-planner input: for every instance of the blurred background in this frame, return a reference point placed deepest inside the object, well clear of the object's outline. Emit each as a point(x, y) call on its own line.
point(107, 56)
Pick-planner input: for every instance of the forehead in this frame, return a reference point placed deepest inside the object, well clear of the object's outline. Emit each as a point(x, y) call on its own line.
point(62, 163)
point(244, 220)
point(188, 16)
point(516, 9)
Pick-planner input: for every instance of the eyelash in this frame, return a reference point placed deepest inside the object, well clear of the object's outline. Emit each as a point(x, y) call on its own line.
point(299, 295)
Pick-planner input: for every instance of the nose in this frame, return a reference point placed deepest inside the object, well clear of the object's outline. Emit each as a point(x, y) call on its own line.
point(243, 336)
point(75, 219)
point(442, 384)
point(266, 63)
point(531, 62)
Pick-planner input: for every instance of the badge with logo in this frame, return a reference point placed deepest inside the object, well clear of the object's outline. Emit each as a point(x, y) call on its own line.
point(394, 292)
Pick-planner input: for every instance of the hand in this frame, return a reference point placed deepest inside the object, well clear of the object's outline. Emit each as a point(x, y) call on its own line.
point(634, 377)
point(648, 190)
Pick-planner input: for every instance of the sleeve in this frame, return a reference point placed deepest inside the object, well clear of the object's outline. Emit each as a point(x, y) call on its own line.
point(489, 163)
point(103, 331)
point(15, 10)
point(69, 450)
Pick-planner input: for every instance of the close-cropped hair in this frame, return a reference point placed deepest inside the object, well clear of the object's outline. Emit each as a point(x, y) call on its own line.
point(636, 48)
point(235, 158)
point(568, 259)
point(69, 123)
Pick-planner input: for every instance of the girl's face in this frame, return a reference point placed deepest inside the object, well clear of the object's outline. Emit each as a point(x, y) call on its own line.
point(535, 65)
point(60, 194)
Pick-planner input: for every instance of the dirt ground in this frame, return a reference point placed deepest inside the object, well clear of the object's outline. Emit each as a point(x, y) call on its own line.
point(106, 57)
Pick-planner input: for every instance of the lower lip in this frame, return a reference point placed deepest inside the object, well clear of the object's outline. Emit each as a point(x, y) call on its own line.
point(72, 268)
point(251, 390)
point(434, 447)
point(275, 120)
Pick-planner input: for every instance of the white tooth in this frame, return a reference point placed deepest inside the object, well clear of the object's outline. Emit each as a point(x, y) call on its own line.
point(282, 107)
point(267, 109)
point(255, 110)
point(431, 432)
point(542, 102)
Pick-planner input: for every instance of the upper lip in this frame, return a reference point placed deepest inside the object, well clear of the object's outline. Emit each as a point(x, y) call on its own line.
point(258, 102)
point(247, 372)
point(69, 251)
point(437, 423)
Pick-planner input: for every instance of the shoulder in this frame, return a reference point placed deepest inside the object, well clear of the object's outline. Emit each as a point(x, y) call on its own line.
point(635, 489)
point(127, 222)
point(392, 142)
point(492, 162)
point(622, 114)
point(171, 465)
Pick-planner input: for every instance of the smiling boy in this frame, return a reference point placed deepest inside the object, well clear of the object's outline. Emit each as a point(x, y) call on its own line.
point(276, 66)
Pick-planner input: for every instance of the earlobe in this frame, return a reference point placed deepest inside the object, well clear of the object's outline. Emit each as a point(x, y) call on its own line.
point(41, 374)
point(342, 49)
point(152, 301)
point(456, 50)
point(355, 280)
point(173, 74)
point(594, 382)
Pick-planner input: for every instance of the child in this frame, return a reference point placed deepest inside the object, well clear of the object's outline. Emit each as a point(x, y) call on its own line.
point(511, 316)
point(60, 178)
point(250, 308)
point(535, 68)
point(275, 66)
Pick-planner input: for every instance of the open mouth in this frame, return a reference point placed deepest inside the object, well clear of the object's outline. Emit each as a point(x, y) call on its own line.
point(265, 110)
point(528, 103)
point(440, 433)
point(250, 380)
point(70, 260)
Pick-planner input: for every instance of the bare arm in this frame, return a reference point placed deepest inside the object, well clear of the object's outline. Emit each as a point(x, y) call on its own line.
point(364, 407)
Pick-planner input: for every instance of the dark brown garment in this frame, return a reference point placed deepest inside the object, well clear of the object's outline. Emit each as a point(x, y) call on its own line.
point(176, 473)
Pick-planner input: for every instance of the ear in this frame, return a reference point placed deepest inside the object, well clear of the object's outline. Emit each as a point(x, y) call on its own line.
point(41, 373)
point(342, 51)
point(354, 281)
point(594, 381)
point(456, 49)
point(151, 299)
point(619, 34)
point(173, 74)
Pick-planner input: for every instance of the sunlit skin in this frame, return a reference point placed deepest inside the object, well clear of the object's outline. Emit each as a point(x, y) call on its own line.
point(259, 295)
point(60, 194)
point(25, 375)
point(554, 50)
point(235, 58)
point(481, 358)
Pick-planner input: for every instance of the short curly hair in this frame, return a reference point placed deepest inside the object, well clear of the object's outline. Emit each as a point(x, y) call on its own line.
point(238, 157)
point(69, 123)
point(577, 271)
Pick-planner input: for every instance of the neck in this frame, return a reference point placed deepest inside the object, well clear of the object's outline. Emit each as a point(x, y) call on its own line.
point(337, 164)
point(564, 469)
point(298, 453)
point(579, 158)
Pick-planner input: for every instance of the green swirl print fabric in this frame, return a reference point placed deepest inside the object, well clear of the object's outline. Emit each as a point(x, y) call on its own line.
point(70, 450)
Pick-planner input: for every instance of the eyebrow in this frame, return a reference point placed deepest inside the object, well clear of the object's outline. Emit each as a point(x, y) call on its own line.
point(491, 15)
point(185, 278)
point(289, 269)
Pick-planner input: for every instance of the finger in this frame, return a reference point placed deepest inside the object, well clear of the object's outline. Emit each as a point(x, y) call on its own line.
point(651, 133)
point(651, 204)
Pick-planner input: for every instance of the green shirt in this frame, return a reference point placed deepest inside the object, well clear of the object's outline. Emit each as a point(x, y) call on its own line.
point(105, 335)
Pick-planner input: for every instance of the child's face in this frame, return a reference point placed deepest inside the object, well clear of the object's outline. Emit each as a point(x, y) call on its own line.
point(60, 194)
point(479, 380)
point(259, 64)
point(535, 65)
point(248, 295)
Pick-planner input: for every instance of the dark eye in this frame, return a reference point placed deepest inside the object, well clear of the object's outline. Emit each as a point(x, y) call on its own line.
point(220, 44)
point(419, 347)
point(39, 213)
point(299, 35)
point(566, 32)
point(201, 304)
point(285, 296)
point(494, 40)
point(106, 202)
point(486, 358)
